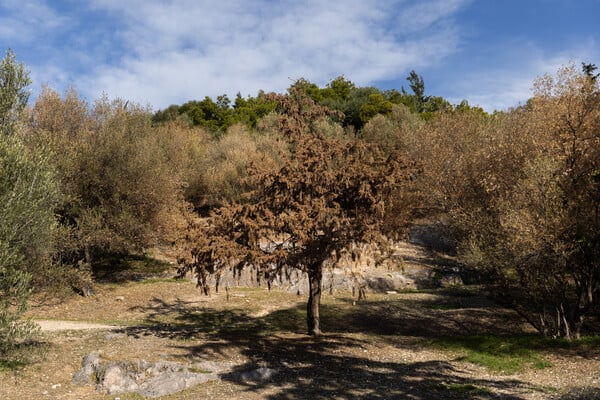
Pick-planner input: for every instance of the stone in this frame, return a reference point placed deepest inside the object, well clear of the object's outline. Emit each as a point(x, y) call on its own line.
point(116, 380)
point(171, 382)
point(89, 364)
point(213, 366)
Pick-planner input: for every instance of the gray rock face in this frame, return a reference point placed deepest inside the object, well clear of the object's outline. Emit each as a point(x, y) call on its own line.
point(406, 266)
point(116, 379)
point(149, 379)
point(161, 378)
point(171, 382)
point(89, 366)
point(259, 375)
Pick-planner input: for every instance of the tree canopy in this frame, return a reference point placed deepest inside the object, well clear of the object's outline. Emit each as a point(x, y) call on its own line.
point(357, 104)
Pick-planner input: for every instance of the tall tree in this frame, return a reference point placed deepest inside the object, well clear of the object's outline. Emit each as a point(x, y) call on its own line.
point(417, 85)
point(589, 69)
point(14, 78)
point(328, 195)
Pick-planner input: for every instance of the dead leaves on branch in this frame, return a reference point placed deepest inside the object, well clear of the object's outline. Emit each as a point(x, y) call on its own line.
point(329, 194)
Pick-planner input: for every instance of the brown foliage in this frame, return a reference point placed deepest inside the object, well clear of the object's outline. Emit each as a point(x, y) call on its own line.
point(551, 218)
point(328, 194)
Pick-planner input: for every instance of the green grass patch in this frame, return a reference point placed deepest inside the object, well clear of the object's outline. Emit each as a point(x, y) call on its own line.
point(504, 354)
point(11, 365)
point(510, 354)
point(588, 342)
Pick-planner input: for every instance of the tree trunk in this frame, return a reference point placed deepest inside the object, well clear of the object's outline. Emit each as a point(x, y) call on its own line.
point(315, 277)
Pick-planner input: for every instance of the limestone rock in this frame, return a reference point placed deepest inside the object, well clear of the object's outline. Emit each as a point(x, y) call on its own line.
point(259, 375)
point(116, 379)
point(171, 382)
point(89, 365)
point(149, 379)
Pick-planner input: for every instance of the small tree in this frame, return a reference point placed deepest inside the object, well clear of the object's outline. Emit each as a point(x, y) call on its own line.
point(328, 194)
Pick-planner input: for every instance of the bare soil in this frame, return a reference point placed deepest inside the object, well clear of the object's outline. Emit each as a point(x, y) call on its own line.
point(376, 349)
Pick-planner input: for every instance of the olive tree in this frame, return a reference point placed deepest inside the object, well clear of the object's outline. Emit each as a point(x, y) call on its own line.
point(28, 195)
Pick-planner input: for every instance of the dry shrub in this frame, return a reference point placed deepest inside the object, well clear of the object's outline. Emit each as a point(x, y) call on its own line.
point(120, 177)
point(186, 149)
point(393, 131)
point(521, 190)
point(224, 169)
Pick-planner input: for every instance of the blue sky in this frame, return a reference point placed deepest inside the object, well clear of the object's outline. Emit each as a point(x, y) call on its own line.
point(162, 52)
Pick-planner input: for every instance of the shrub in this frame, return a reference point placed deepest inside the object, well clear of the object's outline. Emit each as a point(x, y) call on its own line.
point(120, 177)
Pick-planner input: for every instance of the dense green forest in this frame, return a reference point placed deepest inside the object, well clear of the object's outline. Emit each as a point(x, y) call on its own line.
point(357, 105)
point(309, 172)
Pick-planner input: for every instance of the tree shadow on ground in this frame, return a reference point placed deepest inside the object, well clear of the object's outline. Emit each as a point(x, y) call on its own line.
point(116, 267)
point(329, 367)
point(425, 318)
point(580, 394)
point(338, 364)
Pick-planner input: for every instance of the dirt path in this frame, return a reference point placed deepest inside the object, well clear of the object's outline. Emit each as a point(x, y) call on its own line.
point(58, 325)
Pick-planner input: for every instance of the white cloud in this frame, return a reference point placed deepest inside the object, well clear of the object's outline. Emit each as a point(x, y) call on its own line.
point(178, 51)
point(24, 21)
point(164, 51)
point(423, 14)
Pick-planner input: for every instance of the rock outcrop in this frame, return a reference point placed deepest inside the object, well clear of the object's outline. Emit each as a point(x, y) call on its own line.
point(161, 378)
